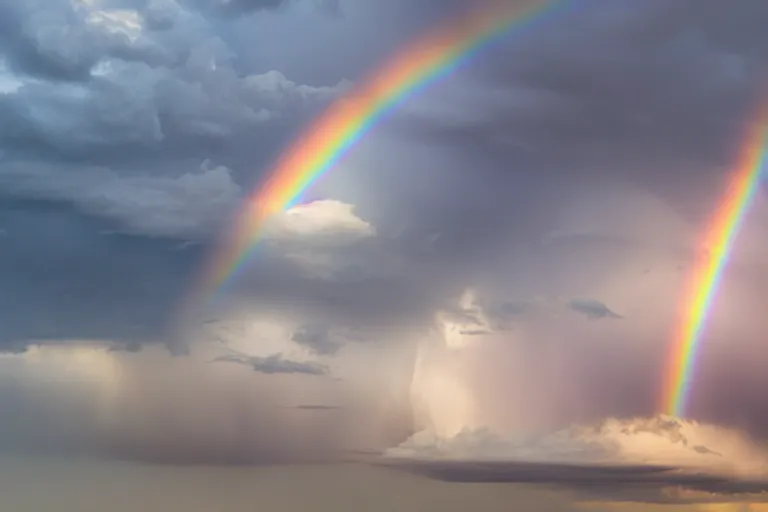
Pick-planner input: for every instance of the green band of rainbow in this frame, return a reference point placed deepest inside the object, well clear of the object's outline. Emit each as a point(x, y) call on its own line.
point(703, 284)
point(418, 65)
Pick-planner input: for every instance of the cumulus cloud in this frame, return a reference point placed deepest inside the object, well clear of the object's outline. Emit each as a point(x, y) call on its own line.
point(140, 116)
point(55, 42)
point(328, 241)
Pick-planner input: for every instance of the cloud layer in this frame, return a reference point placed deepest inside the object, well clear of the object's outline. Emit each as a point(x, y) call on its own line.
point(658, 441)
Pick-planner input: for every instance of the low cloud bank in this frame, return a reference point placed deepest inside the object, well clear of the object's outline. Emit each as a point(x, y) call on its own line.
point(656, 441)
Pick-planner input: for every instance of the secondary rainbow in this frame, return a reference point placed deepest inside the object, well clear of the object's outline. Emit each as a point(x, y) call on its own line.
point(703, 285)
point(419, 64)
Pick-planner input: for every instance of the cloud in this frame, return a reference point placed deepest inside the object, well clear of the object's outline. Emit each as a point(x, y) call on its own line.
point(478, 316)
point(136, 108)
point(14, 348)
point(57, 42)
point(188, 205)
point(655, 442)
point(592, 308)
point(331, 7)
point(136, 117)
point(274, 364)
point(328, 241)
point(317, 338)
point(131, 347)
point(236, 7)
point(317, 407)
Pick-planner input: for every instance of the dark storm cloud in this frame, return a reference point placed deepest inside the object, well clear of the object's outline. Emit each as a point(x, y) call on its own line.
point(63, 279)
point(33, 41)
point(627, 91)
point(57, 40)
point(149, 101)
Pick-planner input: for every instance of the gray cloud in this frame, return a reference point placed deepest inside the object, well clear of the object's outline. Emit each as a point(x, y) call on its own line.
point(568, 100)
point(277, 364)
point(605, 481)
point(14, 348)
point(54, 42)
point(236, 7)
point(592, 308)
point(317, 337)
point(317, 407)
point(131, 347)
point(273, 364)
point(332, 7)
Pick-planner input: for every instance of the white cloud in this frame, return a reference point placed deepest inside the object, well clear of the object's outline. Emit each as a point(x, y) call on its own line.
point(331, 220)
point(255, 334)
point(327, 240)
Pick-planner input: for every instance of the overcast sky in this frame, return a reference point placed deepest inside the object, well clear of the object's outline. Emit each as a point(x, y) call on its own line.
point(507, 251)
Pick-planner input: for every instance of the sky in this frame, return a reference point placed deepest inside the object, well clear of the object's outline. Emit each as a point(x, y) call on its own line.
point(504, 255)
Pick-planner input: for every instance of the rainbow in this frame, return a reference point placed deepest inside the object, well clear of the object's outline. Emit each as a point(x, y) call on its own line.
point(419, 64)
point(703, 285)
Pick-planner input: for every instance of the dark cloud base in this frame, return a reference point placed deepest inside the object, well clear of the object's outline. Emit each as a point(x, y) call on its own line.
point(596, 479)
